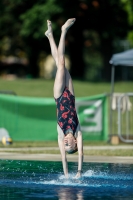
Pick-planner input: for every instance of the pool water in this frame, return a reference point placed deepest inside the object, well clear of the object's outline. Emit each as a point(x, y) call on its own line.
point(45, 180)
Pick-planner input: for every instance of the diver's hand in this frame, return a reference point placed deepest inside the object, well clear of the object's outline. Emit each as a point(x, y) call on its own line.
point(66, 176)
point(78, 175)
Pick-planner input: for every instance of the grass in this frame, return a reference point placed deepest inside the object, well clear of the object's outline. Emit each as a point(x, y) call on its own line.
point(22, 144)
point(44, 88)
point(127, 152)
point(19, 144)
point(116, 152)
point(121, 152)
point(92, 152)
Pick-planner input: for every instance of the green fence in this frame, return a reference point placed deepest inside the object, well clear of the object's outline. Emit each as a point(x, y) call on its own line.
point(93, 116)
point(30, 119)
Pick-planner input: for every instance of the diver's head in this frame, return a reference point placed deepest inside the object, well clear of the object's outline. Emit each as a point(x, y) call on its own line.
point(70, 142)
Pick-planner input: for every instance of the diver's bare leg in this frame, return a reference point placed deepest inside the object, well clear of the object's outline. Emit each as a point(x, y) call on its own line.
point(49, 34)
point(62, 74)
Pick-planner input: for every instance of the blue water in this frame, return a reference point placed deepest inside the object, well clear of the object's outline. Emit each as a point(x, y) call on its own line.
point(45, 180)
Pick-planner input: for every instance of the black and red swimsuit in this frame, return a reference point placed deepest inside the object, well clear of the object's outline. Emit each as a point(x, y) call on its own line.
point(66, 112)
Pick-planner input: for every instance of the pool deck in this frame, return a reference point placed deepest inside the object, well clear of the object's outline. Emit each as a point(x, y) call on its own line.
point(71, 158)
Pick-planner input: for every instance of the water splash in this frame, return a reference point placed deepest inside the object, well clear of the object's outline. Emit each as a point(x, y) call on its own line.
point(97, 179)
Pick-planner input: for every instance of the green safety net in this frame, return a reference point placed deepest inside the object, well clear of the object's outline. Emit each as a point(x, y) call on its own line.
point(34, 119)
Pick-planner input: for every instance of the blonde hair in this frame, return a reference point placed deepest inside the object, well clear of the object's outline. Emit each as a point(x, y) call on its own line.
point(71, 151)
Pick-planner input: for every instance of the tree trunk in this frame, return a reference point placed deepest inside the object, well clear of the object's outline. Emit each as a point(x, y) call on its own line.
point(33, 57)
point(106, 50)
point(76, 55)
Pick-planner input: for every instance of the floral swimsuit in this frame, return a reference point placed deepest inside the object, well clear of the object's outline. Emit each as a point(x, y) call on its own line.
point(66, 112)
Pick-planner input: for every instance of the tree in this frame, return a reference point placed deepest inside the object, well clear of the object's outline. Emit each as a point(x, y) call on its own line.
point(107, 18)
point(25, 22)
point(129, 9)
point(33, 26)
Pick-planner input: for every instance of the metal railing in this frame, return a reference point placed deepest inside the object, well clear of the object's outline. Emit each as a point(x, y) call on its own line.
point(125, 117)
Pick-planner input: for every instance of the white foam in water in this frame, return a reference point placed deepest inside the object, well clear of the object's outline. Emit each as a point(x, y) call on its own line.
point(106, 175)
point(90, 178)
point(71, 177)
point(88, 173)
point(71, 181)
point(98, 174)
point(61, 180)
point(65, 183)
point(62, 177)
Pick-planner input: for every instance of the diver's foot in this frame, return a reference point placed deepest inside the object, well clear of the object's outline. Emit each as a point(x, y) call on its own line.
point(49, 31)
point(68, 24)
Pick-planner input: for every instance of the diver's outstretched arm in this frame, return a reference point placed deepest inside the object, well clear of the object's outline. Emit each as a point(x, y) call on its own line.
point(80, 154)
point(63, 156)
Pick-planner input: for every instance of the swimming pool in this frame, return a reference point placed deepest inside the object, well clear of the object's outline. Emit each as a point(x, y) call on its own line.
point(45, 180)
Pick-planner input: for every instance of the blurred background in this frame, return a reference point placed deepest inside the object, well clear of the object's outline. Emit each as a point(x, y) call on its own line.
point(102, 28)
